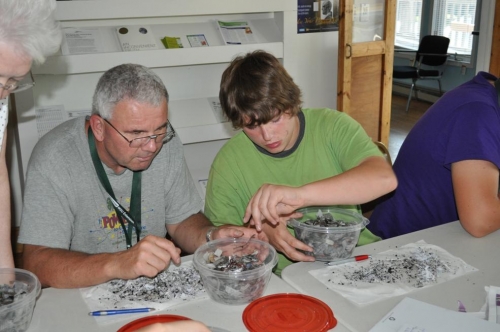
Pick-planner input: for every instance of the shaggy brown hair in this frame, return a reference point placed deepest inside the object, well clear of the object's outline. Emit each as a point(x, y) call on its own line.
point(255, 89)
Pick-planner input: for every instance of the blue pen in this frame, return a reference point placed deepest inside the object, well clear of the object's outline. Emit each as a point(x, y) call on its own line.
point(119, 311)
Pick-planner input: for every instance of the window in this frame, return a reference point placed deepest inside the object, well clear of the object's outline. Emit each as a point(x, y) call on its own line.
point(454, 19)
point(408, 16)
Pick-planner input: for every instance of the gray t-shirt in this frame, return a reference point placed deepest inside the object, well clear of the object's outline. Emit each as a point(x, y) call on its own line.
point(65, 206)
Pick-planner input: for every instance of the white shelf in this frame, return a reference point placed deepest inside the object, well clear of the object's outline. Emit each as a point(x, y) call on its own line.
point(266, 31)
point(100, 62)
point(112, 9)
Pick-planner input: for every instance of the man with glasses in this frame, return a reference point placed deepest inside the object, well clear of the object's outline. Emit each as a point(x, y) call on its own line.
point(102, 192)
point(28, 33)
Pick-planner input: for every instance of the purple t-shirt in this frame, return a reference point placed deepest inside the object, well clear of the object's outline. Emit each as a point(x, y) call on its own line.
point(464, 124)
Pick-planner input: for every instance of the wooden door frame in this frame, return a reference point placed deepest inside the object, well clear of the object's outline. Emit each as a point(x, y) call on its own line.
point(495, 44)
point(348, 50)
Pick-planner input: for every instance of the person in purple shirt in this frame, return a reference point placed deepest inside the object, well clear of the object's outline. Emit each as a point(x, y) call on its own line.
point(448, 166)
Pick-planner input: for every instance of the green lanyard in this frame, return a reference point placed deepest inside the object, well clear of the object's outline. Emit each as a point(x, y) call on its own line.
point(133, 217)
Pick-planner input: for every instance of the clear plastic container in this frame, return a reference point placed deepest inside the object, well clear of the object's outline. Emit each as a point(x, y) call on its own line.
point(332, 232)
point(240, 283)
point(22, 288)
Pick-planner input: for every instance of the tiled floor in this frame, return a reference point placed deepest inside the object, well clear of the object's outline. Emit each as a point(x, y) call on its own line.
point(402, 122)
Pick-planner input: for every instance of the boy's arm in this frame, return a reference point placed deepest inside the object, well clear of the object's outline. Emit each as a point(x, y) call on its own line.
point(372, 178)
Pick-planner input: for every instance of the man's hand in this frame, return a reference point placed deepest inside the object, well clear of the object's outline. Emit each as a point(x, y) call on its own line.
point(62, 268)
point(147, 258)
point(273, 203)
point(281, 239)
point(238, 231)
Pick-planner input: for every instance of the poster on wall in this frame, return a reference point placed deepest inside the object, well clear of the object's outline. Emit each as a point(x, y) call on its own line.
point(317, 15)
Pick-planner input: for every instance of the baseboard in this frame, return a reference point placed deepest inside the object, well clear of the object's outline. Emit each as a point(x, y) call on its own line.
point(425, 94)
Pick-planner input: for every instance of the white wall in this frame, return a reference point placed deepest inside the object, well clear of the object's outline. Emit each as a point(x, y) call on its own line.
point(316, 63)
point(485, 36)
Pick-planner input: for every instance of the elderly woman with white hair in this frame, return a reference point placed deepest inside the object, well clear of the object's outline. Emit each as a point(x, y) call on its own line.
point(28, 33)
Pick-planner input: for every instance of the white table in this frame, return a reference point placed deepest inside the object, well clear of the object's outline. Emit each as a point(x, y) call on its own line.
point(483, 254)
point(62, 310)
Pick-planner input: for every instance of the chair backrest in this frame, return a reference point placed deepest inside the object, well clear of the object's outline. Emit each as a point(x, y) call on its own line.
point(434, 45)
point(381, 146)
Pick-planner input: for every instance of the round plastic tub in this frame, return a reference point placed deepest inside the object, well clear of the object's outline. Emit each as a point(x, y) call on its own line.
point(332, 232)
point(18, 292)
point(235, 271)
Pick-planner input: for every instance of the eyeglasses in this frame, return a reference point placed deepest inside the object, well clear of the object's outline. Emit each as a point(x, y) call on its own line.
point(13, 86)
point(141, 141)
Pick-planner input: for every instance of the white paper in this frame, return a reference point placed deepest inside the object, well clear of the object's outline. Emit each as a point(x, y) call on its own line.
point(415, 316)
point(136, 38)
point(100, 297)
point(365, 12)
point(81, 41)
point(4, 119)
point(217, 109)
point(49, 117)
point(197, 40)
point(235, 33)
point(368, 20)
point(78, 113)
point(494, 304)
point(339, 278)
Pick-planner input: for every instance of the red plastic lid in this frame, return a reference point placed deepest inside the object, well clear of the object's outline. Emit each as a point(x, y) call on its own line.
point(288, 312)
point(145, 321)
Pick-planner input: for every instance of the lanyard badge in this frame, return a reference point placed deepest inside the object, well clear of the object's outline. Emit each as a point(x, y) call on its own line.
point(133, 217)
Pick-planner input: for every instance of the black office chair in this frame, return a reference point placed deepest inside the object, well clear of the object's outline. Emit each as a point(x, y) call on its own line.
point(432, 52)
